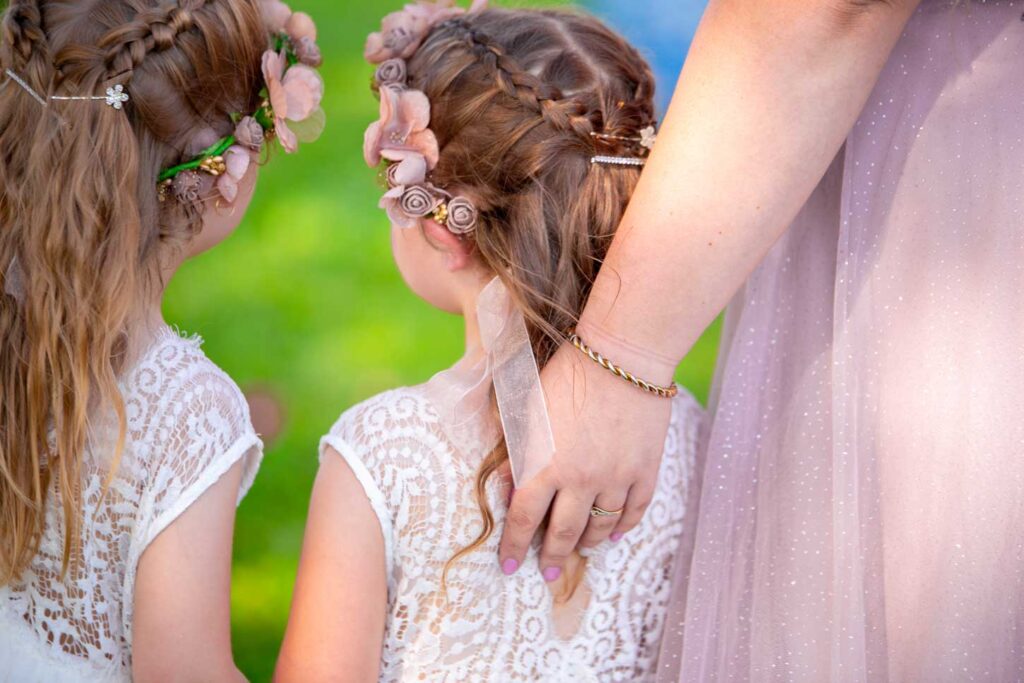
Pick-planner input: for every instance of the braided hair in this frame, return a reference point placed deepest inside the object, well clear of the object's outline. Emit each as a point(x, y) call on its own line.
point(81, 217)
point(521, 101)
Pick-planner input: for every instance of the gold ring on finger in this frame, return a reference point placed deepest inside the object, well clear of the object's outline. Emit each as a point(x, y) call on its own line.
point(601, 512)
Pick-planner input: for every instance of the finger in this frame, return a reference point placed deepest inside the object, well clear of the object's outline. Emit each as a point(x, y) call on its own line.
point(569, 517)
point(637, 502)
point(599, 528)
point(504, 475)
point(526, 513)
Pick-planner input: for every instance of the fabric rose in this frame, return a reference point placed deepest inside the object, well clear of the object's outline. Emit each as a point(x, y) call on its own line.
point(391, 72)
point(249, 134)
point(403, 125)
point(294, 95)
point(406, 168)
point(391, 203)
point(462, 216)
point(307, 52)
point(418, 201)
point(187, 187)
point(237, 160)
point(402, 32)
point(275, 15)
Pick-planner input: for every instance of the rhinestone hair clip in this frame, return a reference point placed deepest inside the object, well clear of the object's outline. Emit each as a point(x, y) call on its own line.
point(618, 161)
point(116, 96)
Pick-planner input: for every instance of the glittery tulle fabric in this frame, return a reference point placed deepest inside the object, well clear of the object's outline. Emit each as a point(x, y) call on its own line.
point(863, 498)
point(188, 424)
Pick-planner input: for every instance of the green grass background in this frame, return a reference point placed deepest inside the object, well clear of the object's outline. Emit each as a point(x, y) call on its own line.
point(304, 299)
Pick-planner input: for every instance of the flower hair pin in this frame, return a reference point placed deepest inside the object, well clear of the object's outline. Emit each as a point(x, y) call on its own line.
point(401, 138)
point(115, 97)
point(290, 111)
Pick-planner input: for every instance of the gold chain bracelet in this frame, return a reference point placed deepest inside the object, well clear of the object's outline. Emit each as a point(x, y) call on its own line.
point(664, 392)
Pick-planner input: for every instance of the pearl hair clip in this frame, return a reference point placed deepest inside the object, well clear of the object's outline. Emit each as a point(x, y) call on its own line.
point(115, 96)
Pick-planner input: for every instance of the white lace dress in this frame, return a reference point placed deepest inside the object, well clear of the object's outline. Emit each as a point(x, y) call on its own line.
point(491, 627)
point(188, 424)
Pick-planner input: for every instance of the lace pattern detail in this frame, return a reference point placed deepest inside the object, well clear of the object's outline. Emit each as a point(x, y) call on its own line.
point(188, 424)
point(488, 626)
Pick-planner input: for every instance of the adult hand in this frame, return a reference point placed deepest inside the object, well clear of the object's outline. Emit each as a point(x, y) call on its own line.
point(609, 439)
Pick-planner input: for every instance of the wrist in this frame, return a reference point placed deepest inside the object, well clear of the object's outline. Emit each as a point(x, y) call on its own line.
point(646, 364)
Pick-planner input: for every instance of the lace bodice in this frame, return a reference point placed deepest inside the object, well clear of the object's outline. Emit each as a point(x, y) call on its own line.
point(490, 627)
point(188, 424)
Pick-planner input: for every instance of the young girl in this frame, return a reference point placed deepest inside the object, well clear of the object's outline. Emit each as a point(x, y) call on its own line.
point(129, 135)
point(513, 140)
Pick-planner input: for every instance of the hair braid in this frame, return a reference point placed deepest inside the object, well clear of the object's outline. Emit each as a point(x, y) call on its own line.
point(153, 30)
point(520, 102)
point(25, 48)
point(568, 115)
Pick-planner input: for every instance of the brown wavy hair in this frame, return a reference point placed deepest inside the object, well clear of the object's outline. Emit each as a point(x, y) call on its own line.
point(83, 229)
point(518, 98)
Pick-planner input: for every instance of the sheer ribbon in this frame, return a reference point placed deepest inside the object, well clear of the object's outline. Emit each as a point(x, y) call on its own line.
point(462, 395)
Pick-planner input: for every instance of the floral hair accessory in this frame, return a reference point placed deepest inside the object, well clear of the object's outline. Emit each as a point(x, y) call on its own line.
point(402, 138)
point(290, 111)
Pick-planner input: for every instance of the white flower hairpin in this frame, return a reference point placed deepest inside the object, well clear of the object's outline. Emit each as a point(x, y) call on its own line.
point(116, 96)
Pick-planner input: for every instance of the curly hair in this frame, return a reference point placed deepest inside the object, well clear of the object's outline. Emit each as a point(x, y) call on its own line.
point(521, 101)
point(83, 227)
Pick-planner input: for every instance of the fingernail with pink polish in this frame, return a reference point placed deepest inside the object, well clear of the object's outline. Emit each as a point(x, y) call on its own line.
point(617, 536)
point(509, 567)
point(551, 574)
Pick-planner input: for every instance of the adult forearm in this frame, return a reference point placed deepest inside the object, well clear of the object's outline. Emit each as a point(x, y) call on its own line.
point(768, 95)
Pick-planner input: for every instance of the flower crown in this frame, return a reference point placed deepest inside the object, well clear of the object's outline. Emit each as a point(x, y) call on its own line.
point(402, 137)
point(289, 110)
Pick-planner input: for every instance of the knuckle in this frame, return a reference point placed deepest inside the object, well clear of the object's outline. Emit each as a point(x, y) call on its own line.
point(641, 503)
point(565, 533)
point(555, 558)
point(520, 520)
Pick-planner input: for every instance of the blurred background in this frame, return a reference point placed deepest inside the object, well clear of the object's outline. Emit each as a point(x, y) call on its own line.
point(304, 308)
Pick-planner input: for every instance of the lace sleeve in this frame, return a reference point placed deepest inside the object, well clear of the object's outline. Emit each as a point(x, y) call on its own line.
point(383, 441)
point(204, 431)
point(207, 431)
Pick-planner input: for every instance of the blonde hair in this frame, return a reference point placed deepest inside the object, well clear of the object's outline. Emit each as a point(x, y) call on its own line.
point(520, 102)
point(81, 218)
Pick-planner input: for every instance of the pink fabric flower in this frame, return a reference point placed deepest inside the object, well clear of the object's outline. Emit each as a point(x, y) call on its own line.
point(300, 25)
point(462, 216)
point(249, 133)
point(294, 95)
point(237, 160)
point(308, 52)
point(275, 15)
point(403, 125)
point(402, 32)
point(407, 168)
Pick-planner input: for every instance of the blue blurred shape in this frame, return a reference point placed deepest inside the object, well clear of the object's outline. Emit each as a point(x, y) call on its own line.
point(662, 29)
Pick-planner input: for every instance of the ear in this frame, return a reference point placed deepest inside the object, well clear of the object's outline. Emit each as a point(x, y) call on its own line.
point(458, 253)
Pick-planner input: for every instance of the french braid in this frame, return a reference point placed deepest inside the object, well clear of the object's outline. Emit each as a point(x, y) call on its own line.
point(25, 49)
point(516, 99)
point(153, 30)
point(80, 216)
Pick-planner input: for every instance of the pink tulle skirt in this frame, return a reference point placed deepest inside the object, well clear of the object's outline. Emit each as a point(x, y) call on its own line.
point(862, 511)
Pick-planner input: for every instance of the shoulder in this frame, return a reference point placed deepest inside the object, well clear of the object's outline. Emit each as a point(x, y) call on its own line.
point(183, 397)
point(401, 418)
point(197, 423)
